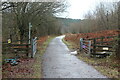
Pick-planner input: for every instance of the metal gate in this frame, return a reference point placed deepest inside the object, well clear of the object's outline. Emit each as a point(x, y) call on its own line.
point(34, 46)
point(85, 46)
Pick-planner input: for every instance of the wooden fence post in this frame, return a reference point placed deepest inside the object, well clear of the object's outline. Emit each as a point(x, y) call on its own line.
point(102, 39)
point(89, 45)
point(94, 46)
point(27, 51)
point(31, 48)
point(81, 44)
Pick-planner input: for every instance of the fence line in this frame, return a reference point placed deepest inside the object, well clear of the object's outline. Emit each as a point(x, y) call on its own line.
point(28, 48)
point(95, 46)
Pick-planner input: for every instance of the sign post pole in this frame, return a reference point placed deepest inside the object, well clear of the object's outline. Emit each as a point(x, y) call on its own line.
point(30, 26)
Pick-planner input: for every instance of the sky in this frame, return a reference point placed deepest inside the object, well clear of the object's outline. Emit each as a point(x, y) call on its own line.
point(78, 8)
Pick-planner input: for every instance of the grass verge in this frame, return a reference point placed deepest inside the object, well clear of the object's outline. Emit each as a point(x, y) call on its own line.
point(107, 66)
point(38, 58)
point(70, 45)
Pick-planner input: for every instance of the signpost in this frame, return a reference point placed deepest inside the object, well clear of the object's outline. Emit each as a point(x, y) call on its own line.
point(30, 26)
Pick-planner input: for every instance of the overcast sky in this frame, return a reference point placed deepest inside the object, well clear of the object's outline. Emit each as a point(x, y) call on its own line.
point(78, 8)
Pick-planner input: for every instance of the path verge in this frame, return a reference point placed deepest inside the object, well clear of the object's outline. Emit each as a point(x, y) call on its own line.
point(106, 66)
point(27, 67)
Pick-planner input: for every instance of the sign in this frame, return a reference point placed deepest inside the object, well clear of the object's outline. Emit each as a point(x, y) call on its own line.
point(9, 40)
point(105, 48)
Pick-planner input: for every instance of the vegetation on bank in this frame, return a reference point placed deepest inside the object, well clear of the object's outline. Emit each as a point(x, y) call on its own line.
point(42, 45)
point(107, 66)
point(28, 67)
point(17, 17)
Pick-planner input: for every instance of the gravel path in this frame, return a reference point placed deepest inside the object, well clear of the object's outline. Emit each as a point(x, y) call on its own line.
point(59, 63)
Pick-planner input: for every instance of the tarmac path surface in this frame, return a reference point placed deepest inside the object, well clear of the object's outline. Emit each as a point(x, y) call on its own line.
point(59, 63)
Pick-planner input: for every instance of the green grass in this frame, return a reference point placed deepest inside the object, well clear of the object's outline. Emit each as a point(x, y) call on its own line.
point(38, 64)
point(107, 66)
point(70, 44)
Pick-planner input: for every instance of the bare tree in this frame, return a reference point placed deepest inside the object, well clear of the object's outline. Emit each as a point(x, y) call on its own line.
point(40, 14)
point(118, 43)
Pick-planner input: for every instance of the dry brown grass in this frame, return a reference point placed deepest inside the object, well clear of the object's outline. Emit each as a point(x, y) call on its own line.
point(27, 67)
point(107, 66)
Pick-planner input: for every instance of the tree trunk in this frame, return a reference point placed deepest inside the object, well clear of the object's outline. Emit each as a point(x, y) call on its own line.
point(118, 46)
point(21, 38)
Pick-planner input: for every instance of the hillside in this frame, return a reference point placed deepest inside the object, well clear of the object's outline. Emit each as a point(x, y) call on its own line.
point(68, 21)
point(105, 33)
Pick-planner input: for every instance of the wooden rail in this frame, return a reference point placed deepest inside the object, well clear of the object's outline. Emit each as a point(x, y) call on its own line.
point(28, 48)
point(97, 46)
